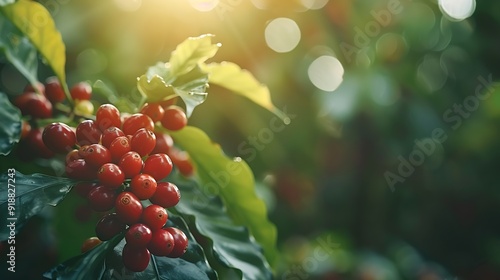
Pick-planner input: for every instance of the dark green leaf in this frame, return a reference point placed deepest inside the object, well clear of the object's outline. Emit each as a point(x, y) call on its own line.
point(10, 125)
point(18, 50)
point(229, 244)
point(234, 182)
point(86, 266)
point(105, 262)
point(32, 194)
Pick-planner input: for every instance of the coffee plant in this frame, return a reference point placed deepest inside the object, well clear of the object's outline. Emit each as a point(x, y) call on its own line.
point(153, 181)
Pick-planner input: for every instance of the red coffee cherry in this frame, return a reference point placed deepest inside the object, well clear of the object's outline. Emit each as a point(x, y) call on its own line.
point(81, 170)
point(39, 86)
point(101, 198)
point(119, 147)
point(110, 134)
point(87, 133)
point(143, 141)
point(107, 116)
point(166, 195)
point(53, 90)
point(158, 166)
point(128, 208)
point(59, 137)
point(138, 235)
point(162, 243)
point(110, 175)
point(154, 216)
point(81, 91)
point(35, 105)
point(180, 242)
point(134, 258)
point(136, 122)
point(97, 155)
point(72, 155)
point(131, 164)
point(174, 118)
point(164, 143)
point(143, 186)
point(109, 226)
point(35, 144)
point(153, 110)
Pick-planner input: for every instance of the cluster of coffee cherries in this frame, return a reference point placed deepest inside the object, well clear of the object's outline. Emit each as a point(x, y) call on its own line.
point(39, 102)
point(122, 161)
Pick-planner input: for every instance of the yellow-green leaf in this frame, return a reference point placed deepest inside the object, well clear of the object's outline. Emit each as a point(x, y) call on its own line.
point(229, 75)
point(191, 53)
point(35, 22)
point(233, 180)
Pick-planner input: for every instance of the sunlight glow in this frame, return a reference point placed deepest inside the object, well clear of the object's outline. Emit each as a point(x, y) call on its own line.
point(204, 5)
point(326, 73)
point(458, 9)
point(314, 4)
point(129, 5)
point(282, 35)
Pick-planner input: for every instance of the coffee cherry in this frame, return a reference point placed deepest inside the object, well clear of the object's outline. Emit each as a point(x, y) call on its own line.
point(182, 161)
point(35, 105)
point(107, 116)
point(158, 166)
point(97, 155)
point(138, 235)
point(25, 129)
point(87, 133)
point(180, 242)
point(110, 175)
point(174, 118)
point(143, 141)
point(59, 137)
point(81, 91)
point(119, 147)
point(53, 90)
point(167, 195)
point(136, 122)
point(131, 164)
point(72, 155)
point(36, 145)
point(39, 86)
point(110, 134)
point(79, 169)
point(128, 208)
point(153, 110)
point(134, 258)
point(90, 244)
point(101, 199)
point(109, 226)
point(162, 243)
point(143, 186)
point(154, 216)
point(164, 143)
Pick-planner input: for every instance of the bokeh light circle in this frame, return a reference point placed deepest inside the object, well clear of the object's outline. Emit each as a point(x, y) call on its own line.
point(458, 9)
point(282, 35)
point(314, 4)
point(326, 73)
point(204, 5)
point(129, 5)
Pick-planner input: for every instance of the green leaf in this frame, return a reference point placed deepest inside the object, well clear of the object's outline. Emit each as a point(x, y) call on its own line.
point(190, 86)
point(190, 54)
point(35, 22)
point(228, 244)
point(105, 262)
point(10, 125)
point(18, 50)
point(32, 193)
point(229, 75)
point(234, 182)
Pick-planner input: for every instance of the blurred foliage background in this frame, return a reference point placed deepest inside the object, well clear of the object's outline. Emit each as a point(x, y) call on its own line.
point(364, 82)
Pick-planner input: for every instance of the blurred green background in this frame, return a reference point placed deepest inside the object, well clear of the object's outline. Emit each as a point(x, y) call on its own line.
point(356, 184)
